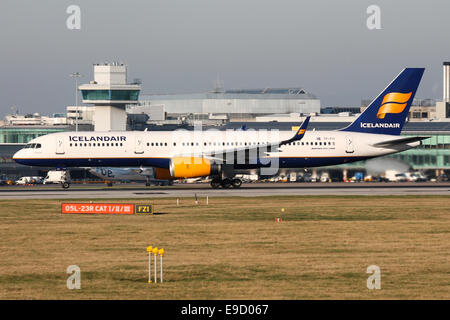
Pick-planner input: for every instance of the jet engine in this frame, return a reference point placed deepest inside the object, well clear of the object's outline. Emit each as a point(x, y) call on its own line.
point(193, 167)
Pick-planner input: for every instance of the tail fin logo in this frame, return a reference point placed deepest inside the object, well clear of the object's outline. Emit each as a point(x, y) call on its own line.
point(394, 102)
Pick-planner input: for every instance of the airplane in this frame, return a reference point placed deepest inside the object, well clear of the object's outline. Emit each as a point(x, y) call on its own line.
point(111, 174)
point(182, 154)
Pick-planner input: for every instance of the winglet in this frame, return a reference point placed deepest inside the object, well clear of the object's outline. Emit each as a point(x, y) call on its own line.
point(300, 132)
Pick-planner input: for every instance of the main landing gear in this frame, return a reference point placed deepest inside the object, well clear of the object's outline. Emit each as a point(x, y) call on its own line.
point(226, 183)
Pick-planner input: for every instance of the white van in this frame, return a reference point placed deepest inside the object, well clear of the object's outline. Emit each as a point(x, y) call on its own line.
point(57, 176)
point(395, 176)
point(24, 180)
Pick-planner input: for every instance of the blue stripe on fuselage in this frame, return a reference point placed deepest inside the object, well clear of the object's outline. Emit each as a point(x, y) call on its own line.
point(164, 162)
point(98, 162)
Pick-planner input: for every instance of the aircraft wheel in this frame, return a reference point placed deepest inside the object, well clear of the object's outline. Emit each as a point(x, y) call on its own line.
point(226, 183)
point(65, 185)
point(215, 183)
point(236, 183)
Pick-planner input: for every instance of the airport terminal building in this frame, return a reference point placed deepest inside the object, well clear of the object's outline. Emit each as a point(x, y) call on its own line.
point(228, 104)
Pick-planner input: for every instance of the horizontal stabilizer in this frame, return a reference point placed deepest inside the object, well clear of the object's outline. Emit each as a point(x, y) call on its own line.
point(391, 143)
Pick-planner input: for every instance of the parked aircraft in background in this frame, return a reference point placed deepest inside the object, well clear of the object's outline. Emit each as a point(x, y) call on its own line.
point(112, 174)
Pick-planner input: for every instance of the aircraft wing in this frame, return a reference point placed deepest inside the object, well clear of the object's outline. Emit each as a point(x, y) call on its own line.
point(395, 142)
point(253, 151)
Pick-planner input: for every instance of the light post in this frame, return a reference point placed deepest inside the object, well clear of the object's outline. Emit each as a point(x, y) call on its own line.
point(76, 75)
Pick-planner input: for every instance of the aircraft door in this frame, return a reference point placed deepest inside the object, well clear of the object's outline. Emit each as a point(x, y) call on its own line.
point(59, 145)
point(349, 146)
point(138, 143)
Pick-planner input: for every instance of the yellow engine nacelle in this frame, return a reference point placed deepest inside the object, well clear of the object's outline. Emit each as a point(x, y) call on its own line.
point(192, 167)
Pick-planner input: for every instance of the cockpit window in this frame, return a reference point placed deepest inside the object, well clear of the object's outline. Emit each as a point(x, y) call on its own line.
point(33, 146)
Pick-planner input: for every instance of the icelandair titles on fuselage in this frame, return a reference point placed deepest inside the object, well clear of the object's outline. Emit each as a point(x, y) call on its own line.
point(97, 138)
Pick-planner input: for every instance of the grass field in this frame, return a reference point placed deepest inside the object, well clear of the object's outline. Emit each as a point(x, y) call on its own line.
point(232, 249)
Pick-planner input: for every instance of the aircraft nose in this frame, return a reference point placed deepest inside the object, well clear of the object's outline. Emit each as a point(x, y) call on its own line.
point(17, 155)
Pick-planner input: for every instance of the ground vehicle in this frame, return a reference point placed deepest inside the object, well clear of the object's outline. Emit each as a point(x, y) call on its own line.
point(23, 180)
point(29, 180)
point(421, 177)
point(395, 176)
point(37, 180)
point(55, 176)
point(415, 176)
point(58, 176)
point(325, 177)
point(292, 177)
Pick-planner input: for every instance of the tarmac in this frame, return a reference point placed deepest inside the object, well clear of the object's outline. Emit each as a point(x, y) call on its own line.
point(130, 191)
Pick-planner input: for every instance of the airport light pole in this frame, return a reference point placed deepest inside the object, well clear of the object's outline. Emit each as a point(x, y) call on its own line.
point(76, 75)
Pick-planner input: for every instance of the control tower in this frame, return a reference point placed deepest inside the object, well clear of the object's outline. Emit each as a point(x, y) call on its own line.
point(109, 92)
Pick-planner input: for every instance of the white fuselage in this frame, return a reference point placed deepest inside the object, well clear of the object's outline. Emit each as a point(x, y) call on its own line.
point(156, 149)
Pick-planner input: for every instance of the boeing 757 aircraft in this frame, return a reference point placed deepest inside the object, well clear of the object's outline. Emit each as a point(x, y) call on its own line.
point(182, 154)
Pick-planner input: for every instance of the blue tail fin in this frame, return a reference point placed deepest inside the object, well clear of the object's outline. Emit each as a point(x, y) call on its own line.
point(387, 113)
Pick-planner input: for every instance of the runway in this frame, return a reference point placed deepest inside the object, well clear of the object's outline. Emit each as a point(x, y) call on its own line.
point(130, 191)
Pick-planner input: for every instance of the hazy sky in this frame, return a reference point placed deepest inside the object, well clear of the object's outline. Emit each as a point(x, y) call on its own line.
point(183, 45)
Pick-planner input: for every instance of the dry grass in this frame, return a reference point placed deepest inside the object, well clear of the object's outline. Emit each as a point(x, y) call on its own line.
point(232, 249)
